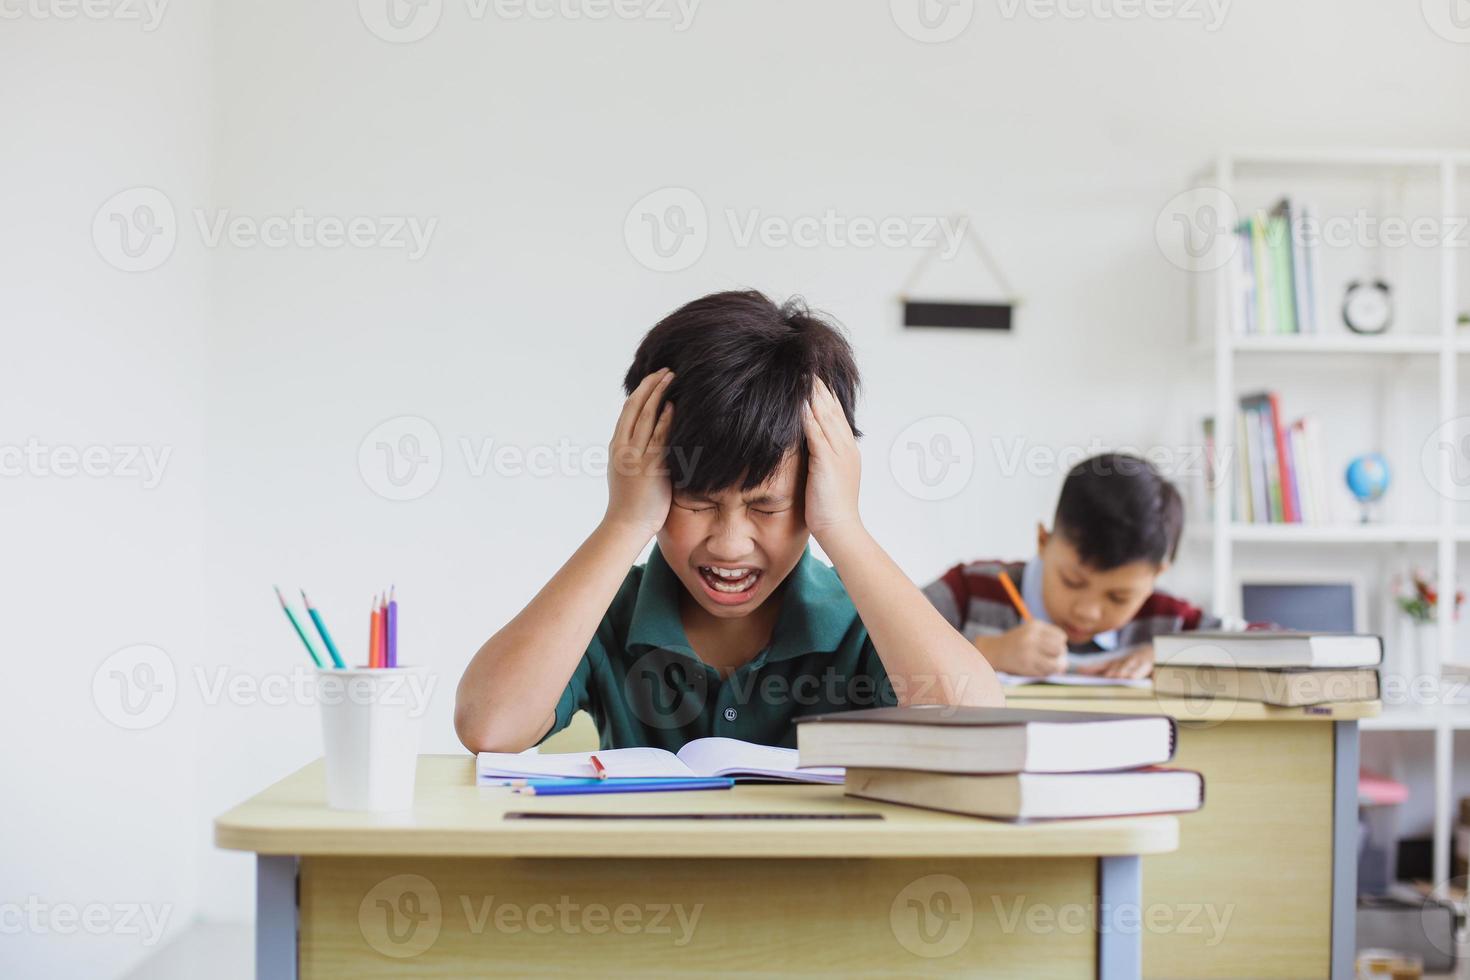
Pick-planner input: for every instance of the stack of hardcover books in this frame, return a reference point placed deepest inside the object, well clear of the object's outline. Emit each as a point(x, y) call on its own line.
point(1288, 669)
point(1005, 763)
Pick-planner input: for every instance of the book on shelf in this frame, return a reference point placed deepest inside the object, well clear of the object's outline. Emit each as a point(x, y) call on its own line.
point(1286, 687)
point(1269, 649)
point(1277, 272)
point(1280, 468)
point(1024, 796)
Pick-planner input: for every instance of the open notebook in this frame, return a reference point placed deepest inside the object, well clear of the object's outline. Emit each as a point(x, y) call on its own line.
point(1071, 680)
point(701, 757)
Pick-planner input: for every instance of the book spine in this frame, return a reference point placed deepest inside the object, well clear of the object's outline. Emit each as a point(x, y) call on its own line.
point(1300, 276)
point(1286, 476)
point(1245, 511)
point(1296, 438)
point(1207, 427)
point(1265, 319)
point(1281, 285)
point(1259, 469)
point(1311, 232)
point(1245, 293)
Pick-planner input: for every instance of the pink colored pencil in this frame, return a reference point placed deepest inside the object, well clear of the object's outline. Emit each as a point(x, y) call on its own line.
point(382, 634)
point(374, 635)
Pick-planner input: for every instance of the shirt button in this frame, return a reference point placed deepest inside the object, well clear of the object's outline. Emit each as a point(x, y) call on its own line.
point(731, 714)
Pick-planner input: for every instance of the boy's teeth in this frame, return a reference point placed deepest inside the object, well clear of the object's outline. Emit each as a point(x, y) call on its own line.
point(730, 580)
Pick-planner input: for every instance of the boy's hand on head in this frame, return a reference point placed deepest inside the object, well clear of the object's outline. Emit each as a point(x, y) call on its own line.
point(639, 492)
point(834, 466)
point(1134, 665)
point(1033, 649)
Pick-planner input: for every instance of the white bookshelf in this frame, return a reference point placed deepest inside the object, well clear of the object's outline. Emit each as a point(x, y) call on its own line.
point(1440, 346)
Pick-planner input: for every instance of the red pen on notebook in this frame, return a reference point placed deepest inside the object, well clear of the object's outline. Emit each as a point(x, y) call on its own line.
point(600, 769)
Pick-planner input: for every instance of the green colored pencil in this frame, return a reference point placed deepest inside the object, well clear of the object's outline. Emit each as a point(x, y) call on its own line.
point(297, 627)
point(321, 628)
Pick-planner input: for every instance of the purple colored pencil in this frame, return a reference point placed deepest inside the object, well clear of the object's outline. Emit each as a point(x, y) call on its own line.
point(391, 657)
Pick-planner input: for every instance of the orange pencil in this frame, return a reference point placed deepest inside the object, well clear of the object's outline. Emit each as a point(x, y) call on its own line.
point(1016, 600)
point(375, 634)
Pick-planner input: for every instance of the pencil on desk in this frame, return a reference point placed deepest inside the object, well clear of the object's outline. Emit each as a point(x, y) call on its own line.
point(1016, 600)
point(584, 789)
point(321, 628)
point(598, 767)
point(297, 627)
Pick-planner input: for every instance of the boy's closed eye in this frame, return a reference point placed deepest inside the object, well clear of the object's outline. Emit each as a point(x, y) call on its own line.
point(768, 505)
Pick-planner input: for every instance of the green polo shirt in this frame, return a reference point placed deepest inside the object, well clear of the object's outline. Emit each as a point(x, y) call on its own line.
point(645, 686)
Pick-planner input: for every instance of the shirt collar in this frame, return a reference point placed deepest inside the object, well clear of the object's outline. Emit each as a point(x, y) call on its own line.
point(1031, 594)
point(816, 612)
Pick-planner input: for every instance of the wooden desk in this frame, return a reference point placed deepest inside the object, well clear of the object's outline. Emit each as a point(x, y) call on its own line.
point(452, 888)
point(1276, 842)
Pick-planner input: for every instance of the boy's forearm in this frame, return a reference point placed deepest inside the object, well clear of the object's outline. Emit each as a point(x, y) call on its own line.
point(512, 685)
point(926, 659)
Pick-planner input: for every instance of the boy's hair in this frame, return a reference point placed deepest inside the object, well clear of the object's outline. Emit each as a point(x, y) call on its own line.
point(1116, 509)
point(743, 369)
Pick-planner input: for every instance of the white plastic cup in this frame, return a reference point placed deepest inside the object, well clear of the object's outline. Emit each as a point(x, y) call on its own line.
point(370, 729)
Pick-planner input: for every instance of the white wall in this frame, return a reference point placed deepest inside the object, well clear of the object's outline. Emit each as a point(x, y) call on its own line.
point(530, 141)
point(96, 864)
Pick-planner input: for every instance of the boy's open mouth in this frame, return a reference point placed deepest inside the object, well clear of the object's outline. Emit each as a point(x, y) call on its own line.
point(729, 585)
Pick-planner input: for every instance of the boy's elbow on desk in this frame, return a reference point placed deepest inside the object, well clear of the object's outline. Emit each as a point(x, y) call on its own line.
point(482, 729)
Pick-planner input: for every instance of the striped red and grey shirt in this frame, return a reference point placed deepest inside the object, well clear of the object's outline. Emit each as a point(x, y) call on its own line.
point(975, 603)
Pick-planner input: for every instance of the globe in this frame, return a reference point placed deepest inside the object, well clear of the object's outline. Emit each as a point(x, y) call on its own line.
point(1368, 477)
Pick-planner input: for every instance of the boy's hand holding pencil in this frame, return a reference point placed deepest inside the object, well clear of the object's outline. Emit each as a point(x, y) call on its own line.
point(1033, 649)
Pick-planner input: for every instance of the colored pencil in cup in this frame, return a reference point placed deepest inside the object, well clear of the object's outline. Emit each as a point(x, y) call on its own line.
point(391, 658)
point(297, 627)
point(379, 635)
point(321, 628)
point(1016, 600)
point(372, 657)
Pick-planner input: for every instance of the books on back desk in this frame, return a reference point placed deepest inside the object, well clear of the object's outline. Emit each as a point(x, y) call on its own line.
point(1288, 688)
point(1279, 667)
point(1004, 763)
point(1268, 649)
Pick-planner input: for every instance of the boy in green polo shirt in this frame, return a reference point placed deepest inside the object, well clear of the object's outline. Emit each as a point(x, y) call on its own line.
point(735, 446)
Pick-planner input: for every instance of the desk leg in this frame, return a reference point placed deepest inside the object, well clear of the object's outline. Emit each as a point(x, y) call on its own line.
point(1344, 848)
point(275, 917)
point(1119, 901)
